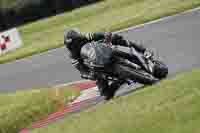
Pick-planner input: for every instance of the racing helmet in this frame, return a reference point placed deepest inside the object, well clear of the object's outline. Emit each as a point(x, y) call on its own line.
point(69, 36)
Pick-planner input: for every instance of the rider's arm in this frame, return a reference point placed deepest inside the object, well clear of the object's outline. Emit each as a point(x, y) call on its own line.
point(120, 40)
point(116, 40)
point(78, 64)
point(84, 71)
point(95, 36)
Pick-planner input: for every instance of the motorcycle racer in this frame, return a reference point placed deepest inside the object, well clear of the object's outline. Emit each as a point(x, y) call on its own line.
point(74, 40)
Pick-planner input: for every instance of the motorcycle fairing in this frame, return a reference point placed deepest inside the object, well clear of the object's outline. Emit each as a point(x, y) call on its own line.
point(96, 54)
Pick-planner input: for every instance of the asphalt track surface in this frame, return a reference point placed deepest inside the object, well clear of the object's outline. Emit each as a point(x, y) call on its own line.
point(177, 40)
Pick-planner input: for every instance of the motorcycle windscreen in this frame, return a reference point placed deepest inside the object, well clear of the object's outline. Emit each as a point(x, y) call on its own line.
point(97, 54)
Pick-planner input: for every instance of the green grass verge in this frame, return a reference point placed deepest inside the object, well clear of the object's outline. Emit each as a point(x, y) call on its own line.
point(6, 4)
point(19, 110)
point(170, 107)
point(109, 15)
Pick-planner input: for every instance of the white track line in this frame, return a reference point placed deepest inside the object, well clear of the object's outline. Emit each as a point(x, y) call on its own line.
point(158, 20)
point(70, 83)
point(87, 94)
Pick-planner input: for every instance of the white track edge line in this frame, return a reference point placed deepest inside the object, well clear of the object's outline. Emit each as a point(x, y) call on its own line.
point(70, 83)
point(158, 20)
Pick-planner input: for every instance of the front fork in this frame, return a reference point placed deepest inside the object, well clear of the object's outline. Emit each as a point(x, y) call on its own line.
point(146, 63)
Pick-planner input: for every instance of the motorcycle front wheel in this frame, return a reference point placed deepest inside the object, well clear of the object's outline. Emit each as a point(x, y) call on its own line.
point(160, 70)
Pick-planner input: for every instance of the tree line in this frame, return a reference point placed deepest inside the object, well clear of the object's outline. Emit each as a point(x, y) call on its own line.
point(17, 12)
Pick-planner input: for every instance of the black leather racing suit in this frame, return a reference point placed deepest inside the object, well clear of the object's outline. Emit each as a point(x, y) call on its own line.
point(77, 62)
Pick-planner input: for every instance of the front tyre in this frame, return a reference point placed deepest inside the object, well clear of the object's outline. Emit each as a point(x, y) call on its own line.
point(160, 70)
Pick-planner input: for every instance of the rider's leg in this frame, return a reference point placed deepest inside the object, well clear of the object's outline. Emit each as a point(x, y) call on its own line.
point(102, 85)
point(107, 90)
point(114, 86)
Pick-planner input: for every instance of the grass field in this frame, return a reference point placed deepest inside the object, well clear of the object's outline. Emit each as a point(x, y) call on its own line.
point(107, 15)
point(18, 110)
point(173, 106)
point(7, 4)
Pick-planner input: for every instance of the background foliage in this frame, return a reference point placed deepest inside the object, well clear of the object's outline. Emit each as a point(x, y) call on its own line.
point(17, 12)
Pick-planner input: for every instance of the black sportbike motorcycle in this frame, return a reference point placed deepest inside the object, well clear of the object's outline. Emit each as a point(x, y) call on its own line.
point(123, 64)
